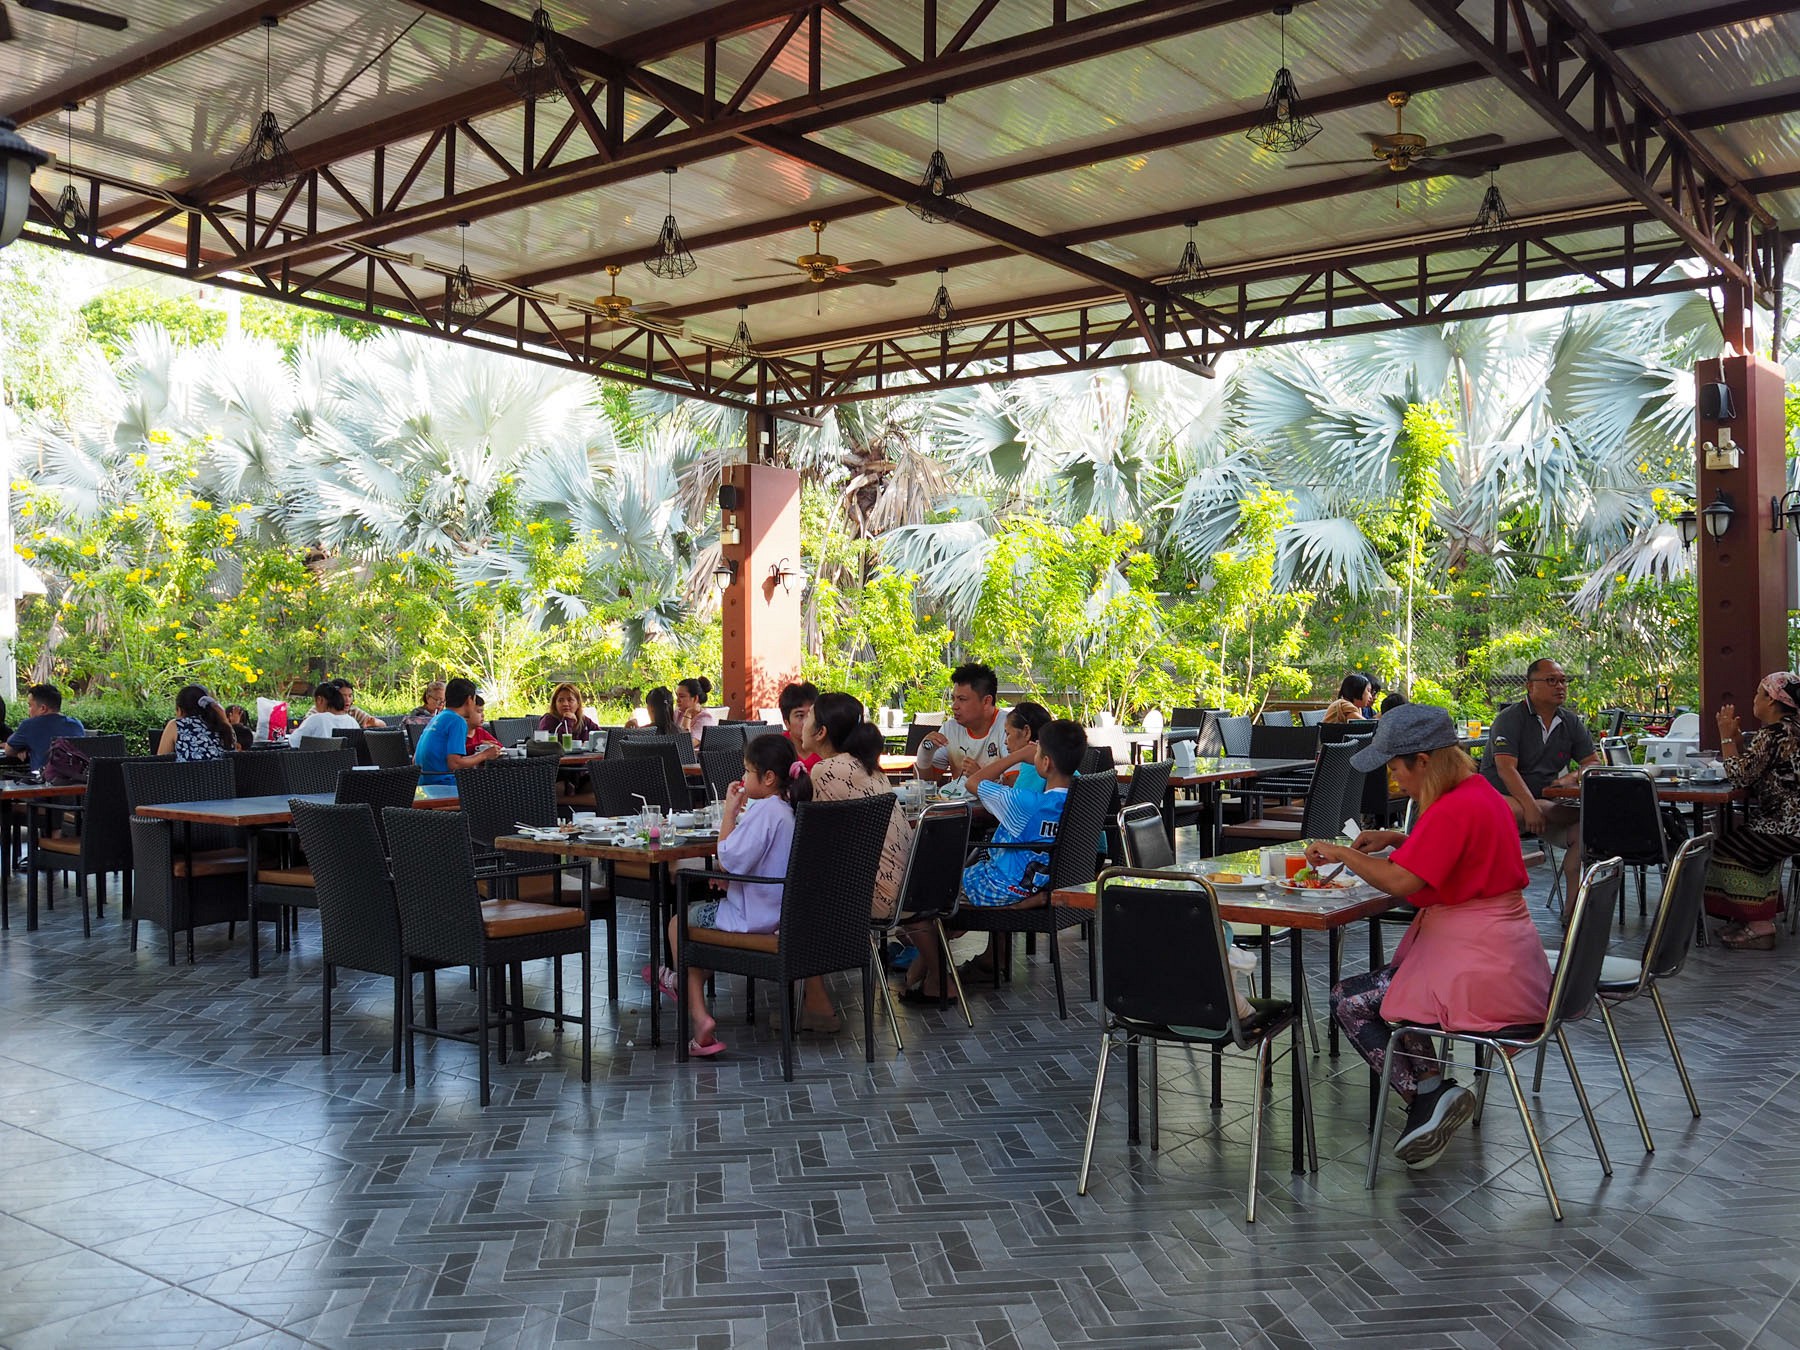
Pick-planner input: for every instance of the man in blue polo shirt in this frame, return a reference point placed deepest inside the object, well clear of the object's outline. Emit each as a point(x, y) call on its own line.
point(444, 744)
point(46, 723)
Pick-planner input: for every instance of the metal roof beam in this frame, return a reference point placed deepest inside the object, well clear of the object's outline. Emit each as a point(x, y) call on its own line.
point(97, 82)
point(1625, 124)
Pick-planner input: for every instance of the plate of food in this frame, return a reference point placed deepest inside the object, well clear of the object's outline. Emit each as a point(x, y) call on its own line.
point(1235, 881)
point(1308, 882)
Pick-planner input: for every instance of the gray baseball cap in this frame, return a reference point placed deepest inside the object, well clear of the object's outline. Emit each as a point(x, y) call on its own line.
point(1410, 729)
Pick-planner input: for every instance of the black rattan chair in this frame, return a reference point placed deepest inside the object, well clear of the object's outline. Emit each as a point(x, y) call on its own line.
point(1091, 802)
point(680, 742)
point(112, 746)
point(928, 894)
point(356, 738)
point(388, 749)
point(661, 750)
point(259, 773)
point(444, 921)
point(317, 744)
point(1165, 975)
point(184, 876)
point(725, 740)
point(1326, 798)
point(101, 845)
point(719, 769)
point(825, 904)
point(315, 771)
point(1097, 759)
point(619, 783)
point(512, 730)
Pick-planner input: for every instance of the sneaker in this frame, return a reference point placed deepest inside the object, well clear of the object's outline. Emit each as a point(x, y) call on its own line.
point(1431, 1120)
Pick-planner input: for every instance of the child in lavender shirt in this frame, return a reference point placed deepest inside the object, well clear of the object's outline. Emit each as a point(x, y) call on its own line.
point(754, 838)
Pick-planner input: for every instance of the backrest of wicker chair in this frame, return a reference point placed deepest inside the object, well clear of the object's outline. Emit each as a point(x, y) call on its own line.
point(434, 885)
point(378, 789)
point(388, 749)
point(356, 738)
point(512, 730)
point(495, 797)
point(310, 771)
point(100, 745)
point(831, 883)
point(1097, 759)
point(105, 817)
point(1149, 783)
point(259, 773)
point(359, 923)
point(619, 782)
point(318, 744)
point(1326, 799)
point(149, 782)
point(934, 864)
point(719, 769)
point(1074, 858)
point(680, 742)
point(661, 751)
point(729, 740)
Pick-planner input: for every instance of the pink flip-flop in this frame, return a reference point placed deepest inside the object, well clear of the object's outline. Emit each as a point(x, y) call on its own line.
point(666, 982)
point(706, 1051)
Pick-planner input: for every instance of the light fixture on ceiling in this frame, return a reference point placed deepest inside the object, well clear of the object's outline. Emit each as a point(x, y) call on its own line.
point(1283, 126)
point(742, 347)
point(532, 74)
point(70, 214)
point(671, 260)
point(265, 162)
point(1716, 515)
point(937, 199)
point(1190, 273)
point(463, 299)
point(18, 157)
point(941, 321)
point(1493, 222)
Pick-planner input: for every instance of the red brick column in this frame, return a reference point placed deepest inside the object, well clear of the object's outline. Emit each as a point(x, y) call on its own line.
point(762, 633)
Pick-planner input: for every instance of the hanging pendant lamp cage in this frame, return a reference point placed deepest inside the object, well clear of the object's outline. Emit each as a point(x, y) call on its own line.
point(265, 161)
point(70, 213)
point(742, 347)
point(532, 74)
point(672, 260)
point(942, 321)
point(463, 299)
point(1191, 275)
point(1493, 222)
point(938, 201)
point(1283, 125)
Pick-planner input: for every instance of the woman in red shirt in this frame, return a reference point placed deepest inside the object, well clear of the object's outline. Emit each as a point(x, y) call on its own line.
point(1472, 959)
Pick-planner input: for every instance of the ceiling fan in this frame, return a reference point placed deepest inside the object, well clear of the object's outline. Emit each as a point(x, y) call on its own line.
point(613, 308)
point(820, 267)
point(63, 9)
point(1402, 151)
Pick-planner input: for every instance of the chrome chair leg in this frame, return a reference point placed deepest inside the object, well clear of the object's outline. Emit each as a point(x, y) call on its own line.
point(1306, 1107)
point(950, 966)
point(1087, 1148)
point(1587, 1110)
point(1637, 1109)
point(1483, 1072)
point(887, 994)
point(1531, 1134)
point(1256, 1110)
point(1381, 1096)
point(1662, 1014)
point(1537, 1074)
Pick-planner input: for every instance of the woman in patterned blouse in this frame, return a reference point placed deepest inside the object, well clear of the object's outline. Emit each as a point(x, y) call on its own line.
point(1743, 883)
point(849, 751)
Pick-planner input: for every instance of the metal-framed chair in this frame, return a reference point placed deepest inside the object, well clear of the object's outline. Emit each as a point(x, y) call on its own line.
point(444, 920)
point(928, 893)
point(1074, 861)
point(1620, 817)
point(1144, 843)
point(1165, 976)
point(1574, 989)
point(825, 903)
point(1665, 953)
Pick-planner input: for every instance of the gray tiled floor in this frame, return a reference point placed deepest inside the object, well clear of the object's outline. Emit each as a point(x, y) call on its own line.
point(179, 1166)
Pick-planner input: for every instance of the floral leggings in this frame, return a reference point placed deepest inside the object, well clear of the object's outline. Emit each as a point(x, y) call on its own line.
point(1356, 1006)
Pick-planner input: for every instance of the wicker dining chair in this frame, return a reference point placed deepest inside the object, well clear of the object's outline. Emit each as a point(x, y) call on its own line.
point(101, 845)
point(259, 773)
point(313, 771)
point(388, 749)
point(444, 920)
point(825, 904)
point(183, 876)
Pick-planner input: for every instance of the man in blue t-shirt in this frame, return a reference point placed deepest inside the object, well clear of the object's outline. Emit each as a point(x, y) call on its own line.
point(45, 724)
point(444, 744)
point(1011, 876)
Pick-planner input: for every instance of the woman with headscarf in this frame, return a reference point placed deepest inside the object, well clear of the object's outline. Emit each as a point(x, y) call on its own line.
point(1743, 881)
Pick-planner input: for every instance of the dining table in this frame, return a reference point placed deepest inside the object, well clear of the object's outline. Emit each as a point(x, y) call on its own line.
point(656, 859)
point(34, 796)
point(1267, 908)
point(252, 815)
point(1702, 796)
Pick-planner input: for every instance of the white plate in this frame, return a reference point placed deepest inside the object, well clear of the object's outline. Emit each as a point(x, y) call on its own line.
point(1336, 888)
point(1249, 883)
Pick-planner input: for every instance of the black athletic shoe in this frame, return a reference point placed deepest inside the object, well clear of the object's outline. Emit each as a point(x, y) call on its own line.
point(1430, 1122)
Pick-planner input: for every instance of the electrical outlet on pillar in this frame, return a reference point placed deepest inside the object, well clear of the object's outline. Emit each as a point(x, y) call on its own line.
point(1723, 453)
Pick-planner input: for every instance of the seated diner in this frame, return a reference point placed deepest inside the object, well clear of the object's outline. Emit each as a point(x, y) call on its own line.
point(1743, 881)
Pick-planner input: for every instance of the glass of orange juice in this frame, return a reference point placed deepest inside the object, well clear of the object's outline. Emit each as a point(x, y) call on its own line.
point(1296, 862)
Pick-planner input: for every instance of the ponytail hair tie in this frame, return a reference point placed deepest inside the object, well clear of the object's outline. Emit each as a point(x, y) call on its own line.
point(206, 700)
point(796, 770)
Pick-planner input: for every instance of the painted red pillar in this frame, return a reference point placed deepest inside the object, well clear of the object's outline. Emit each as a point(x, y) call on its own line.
point(1743, 577)
point(759, 523)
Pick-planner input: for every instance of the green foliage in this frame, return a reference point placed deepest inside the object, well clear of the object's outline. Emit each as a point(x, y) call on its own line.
point(873, 644)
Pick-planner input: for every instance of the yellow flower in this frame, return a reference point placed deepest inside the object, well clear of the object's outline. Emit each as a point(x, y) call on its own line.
point(202, 506)
point(89, 550)
point(26, 554)
point(1540, 571)
point(1657, 495)
point(1619, 580)
point(1644, 466)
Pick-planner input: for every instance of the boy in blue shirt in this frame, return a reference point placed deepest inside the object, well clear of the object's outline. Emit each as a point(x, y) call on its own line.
point(444, 744)
point(1011, 876)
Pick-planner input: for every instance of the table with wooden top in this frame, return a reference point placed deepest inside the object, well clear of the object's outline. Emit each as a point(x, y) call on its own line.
point(253, 814)
point(34, 797)
point(657, 861)
point(1329, 913)
point(1703, 798)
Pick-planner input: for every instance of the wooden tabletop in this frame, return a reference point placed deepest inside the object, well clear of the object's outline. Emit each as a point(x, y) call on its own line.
point(246, 812)
point(1255, 908)
point(572, 847)
point(1674, 791)
point(22, 791)
point(1225, 769)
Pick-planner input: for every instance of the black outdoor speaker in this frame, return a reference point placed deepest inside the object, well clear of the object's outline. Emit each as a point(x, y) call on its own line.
point(1716, 403)
point(731, 496)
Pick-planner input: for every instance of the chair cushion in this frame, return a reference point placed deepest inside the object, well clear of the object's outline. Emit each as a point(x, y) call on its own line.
point(216, 862)
point(1614, 970)
point(718, 937)
point(72, 847)
point(286, 876)
point(517, 918)
point(1534, 856)
point(1263, 828)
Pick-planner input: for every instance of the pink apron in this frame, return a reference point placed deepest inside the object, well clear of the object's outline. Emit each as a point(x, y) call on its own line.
point(1475, 966)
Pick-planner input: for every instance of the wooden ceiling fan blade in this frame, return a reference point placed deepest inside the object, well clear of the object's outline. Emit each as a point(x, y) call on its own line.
point(1462, 147)
point(1462, 168)
point(860, 265)
point(649, 306)
point(65, 9)
point(852, 279)
point(6, 28)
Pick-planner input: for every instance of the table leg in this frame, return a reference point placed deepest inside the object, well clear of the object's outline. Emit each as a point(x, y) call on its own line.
point(1297, 1061)
point(1375, 963)
point(1209, 803)
point(6, 867)
point(1334, 966)
point(1169, 814)
point(250, 841)
point(659, 879)
point(31, 876)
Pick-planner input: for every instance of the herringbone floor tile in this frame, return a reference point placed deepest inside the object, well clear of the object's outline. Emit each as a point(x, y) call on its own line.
point(180, 1166)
